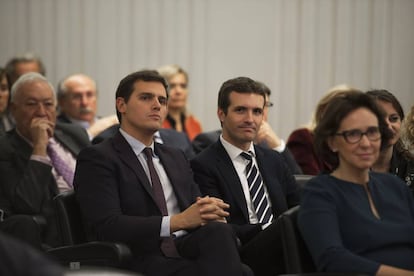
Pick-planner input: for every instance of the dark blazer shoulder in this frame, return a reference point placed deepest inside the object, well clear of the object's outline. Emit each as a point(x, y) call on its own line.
point(62, 118)
point(204, 140)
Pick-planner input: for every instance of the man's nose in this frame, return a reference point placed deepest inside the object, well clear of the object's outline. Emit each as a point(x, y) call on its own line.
point(249, 116)
point(41, 109)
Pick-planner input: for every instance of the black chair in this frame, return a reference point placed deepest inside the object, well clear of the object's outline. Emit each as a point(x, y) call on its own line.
point(302, 179)
point(298, 260)
point(297, 256)
point(77, 252)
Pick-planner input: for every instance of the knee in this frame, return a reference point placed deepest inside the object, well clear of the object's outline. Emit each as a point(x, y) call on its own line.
point(219, 229)
point(22, 222)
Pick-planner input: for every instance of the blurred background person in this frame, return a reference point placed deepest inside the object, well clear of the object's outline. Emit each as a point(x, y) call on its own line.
point(394, 158)
point(178, 116)
point(77, 98)
point(5, 122)
point(300, 141)
point(17, 66)
point(367, 217)
point(407, 131)
point(21, 64)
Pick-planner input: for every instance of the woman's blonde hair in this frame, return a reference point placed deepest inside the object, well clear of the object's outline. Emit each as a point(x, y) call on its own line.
point(407, 131)
point(336, 91)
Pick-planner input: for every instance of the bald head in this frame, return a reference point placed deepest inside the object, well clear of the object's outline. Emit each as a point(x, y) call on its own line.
point(77, 96)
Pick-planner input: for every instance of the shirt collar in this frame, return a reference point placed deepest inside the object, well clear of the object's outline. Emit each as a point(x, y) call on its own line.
point(135, 144)
point(233, 151)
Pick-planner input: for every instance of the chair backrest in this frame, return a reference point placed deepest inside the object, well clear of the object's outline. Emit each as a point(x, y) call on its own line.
point(302, 179)
point(69, 218)
point(296, 254)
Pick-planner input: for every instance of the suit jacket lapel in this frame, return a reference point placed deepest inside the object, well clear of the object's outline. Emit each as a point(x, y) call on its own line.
point(225, 166)
point(127, 155)
point(168, 163)
point(273, 189)
point(66, 141)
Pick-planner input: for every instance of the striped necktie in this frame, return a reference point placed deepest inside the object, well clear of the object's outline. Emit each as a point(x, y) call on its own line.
point(257, 192)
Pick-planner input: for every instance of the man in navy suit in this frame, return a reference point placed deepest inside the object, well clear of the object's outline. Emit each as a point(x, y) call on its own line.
point(258, 187)
point(265, 137)
point(136, 191)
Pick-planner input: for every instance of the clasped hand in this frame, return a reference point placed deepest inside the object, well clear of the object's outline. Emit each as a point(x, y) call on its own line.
point(204, 210)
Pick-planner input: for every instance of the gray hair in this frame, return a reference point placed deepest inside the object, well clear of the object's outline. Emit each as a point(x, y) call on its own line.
point(26, 57)
point(170, 70)
point(62, 89)
point(28, 78)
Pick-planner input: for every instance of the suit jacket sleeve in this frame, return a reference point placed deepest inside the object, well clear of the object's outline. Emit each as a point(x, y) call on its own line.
point(290, 161)
point(211, 183)
point(26, 185)
point(205, 139)
point(115, 199)
point(97, 185)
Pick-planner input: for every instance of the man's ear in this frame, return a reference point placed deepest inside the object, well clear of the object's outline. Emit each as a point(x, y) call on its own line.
point(221, 115)
point(120, 105)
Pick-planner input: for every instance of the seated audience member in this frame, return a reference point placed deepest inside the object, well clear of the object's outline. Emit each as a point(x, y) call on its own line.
point(407, 132)
point(5, 122)
point(166, 136)
point(17, 66)
point(22, 64)
point(253, 180)
point(141, 193)
point(77, 95)
point(265, 137)
point(394, 158)
point(354, 219)
point(18, 259)
point(178, 117)
point(37, 160)
point(300, 141)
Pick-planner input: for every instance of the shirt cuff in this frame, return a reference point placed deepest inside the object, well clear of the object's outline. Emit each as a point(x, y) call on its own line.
point(165, 227)
point(281, 148)
point(166, 230)
point(42, 159)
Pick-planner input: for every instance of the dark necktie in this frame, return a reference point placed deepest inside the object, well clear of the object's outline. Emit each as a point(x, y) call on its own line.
point(257, 191)
point(60, 165)
point(167, 244)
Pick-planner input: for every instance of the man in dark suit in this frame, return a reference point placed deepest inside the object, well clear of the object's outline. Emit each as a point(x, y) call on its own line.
point(142, 193)
point(266, 137)
point(255, 181)
point(29, 178)
point(166, 136)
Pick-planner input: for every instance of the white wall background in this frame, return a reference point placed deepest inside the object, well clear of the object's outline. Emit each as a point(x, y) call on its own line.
point(300, 48)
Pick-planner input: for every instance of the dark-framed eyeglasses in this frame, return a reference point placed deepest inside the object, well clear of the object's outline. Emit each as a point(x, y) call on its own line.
point(268, 104)
point(353, 136)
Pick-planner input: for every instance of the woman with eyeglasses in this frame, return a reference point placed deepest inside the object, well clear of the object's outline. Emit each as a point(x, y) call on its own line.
point(178, 117)
point(354, 219)
point(395, 158)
